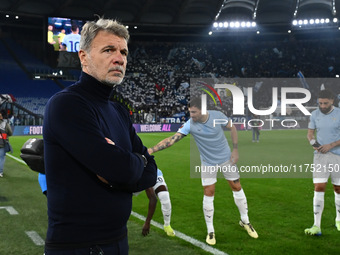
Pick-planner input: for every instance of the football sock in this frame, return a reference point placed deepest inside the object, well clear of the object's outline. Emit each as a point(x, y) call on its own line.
point(164, 199)
point(337, 205)
point(208, 210)
point(241, 203)
point(318, 205)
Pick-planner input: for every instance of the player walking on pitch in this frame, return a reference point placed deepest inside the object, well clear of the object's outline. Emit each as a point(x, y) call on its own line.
point(326, 122)
point(214, 151)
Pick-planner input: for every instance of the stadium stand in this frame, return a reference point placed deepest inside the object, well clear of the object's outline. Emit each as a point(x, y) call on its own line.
point(158, 74)
point(16, 80)
point(170, 67)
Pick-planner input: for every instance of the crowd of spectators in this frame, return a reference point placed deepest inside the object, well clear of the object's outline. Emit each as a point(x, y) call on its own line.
point(158, 74)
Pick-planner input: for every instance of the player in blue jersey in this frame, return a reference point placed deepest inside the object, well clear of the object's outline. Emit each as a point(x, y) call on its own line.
point(214, 152)
point(71, 41)
point(160, 191)
point(325, 121)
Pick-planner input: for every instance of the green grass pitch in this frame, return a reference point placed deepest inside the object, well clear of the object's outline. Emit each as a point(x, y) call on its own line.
point(280, 204)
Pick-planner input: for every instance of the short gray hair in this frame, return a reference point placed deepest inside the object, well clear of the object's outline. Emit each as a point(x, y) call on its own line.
point(91, 29)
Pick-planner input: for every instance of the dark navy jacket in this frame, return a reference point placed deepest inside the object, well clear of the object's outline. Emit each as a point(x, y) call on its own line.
point(82, 209)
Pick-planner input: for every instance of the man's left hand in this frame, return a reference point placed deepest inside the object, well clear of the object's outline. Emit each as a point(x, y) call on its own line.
point(325, 148)
point(234, 156)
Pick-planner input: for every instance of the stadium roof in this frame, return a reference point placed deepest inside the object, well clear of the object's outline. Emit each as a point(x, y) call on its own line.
point(181, 17)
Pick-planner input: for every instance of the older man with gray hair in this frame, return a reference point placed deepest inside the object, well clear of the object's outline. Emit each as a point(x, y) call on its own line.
point(94, 159)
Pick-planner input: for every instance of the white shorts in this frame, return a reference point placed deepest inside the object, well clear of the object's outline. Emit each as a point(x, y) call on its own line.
point(160, 181)
point(326, 165)
point(209, 172)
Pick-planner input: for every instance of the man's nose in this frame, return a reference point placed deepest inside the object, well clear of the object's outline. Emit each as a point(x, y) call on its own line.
point(119, 59)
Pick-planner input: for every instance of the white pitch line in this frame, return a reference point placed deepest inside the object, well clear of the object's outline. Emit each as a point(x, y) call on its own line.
point(34, 236)
point(10, 210)
point(184, 237)
point(37, 240)
point(17, 159)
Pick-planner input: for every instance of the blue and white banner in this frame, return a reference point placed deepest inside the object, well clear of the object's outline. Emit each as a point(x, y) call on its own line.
point(28, 130)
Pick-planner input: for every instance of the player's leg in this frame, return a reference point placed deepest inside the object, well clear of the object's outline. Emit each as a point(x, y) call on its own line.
point(232, 175)
point(208, 210)
point(240, 199)
point(335, 177)
point(164, 198)
point(320, 179)
point(318, 205)
point(318, 202)
point(337, 201)
point(209, 178)
point(161, 190)
point(242, 205)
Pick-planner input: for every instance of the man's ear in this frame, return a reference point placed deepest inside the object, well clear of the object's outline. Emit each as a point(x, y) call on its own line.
point(82, 57)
